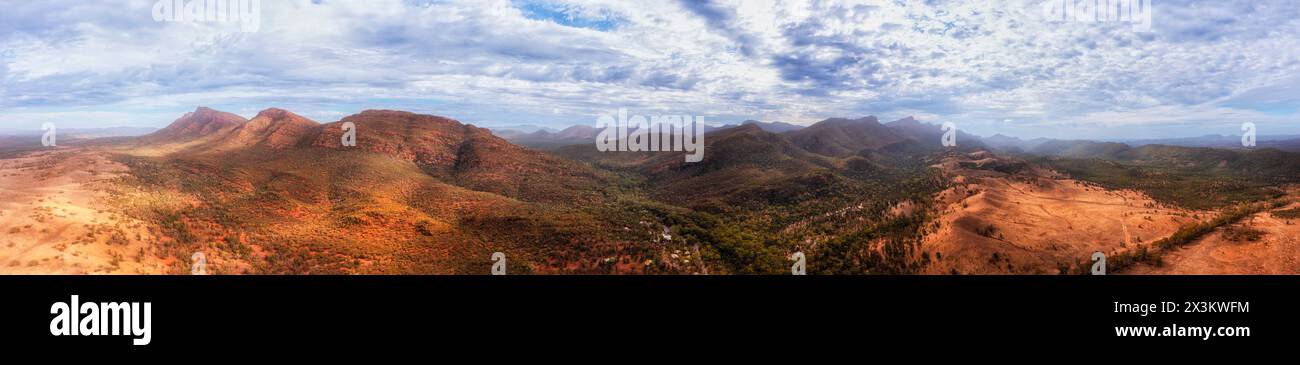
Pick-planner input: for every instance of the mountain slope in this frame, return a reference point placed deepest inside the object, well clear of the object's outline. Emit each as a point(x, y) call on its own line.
point(740, 164)
point(774, 127)
point(578, 132)
point(841, 137)
point(1079, 149)
point(466, 155)
point(272, 128)
point(200, 123)
point(929, 137)
point(417, 194)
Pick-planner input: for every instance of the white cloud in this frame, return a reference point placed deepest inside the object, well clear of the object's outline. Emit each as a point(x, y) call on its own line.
point(488, 61)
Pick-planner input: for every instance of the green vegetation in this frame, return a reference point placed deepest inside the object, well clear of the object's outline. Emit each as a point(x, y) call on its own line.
point(1292, 213)
point(1196, 178)
point(1180, 186)
point(757, 198)
point(886, 248)
point(1241, 234)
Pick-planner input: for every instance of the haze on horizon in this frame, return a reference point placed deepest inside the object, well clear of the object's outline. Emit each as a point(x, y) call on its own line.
point(989, 66)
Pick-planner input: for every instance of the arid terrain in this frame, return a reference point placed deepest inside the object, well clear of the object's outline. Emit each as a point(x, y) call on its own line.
point(1264, 243)
point(1038, 222)
point(422, 194)
point(55, 221)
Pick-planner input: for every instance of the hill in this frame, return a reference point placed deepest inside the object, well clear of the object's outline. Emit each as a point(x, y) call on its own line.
point(202, 122)
point(840, 137)
point(272, 128)
point(742, 165)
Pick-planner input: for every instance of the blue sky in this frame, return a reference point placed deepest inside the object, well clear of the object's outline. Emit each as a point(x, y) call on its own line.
point(988, 66)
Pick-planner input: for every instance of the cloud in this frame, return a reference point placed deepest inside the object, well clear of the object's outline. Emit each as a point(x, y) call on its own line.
point(989, 66)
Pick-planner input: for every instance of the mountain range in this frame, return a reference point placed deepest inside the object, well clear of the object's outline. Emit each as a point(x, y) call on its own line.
point(549, 139)
point(281, 193)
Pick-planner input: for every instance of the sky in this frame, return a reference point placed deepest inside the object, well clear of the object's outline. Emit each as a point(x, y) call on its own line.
point(1203, 67)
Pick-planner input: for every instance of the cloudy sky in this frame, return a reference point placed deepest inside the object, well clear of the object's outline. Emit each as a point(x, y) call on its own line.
point(1205, 67)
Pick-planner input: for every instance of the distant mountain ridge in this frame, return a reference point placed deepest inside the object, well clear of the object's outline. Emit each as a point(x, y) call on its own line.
point(84, 132)
point(774, 127)
point(1281, 142)
point(842, 137)
point(549, 139)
